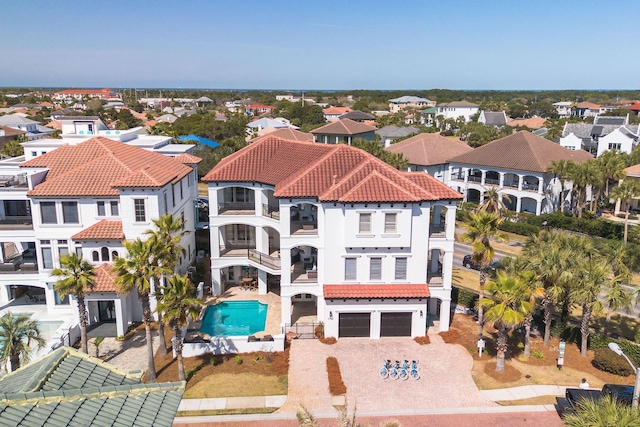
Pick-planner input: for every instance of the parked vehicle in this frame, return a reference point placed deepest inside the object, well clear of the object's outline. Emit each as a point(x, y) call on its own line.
point(468, 262)
point(622, 393)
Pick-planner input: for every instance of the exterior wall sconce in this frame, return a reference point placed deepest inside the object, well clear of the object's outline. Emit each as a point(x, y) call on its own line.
point(331, 315)
point(421, 314)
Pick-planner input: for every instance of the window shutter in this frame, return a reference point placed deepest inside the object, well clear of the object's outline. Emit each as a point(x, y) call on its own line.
point(375, 272)
point(401, 268)
point(350, 269)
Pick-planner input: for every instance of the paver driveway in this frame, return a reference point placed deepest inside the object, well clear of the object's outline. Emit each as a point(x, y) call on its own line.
point(445, 371)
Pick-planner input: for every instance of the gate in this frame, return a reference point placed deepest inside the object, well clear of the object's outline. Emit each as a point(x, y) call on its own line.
point(302, 330)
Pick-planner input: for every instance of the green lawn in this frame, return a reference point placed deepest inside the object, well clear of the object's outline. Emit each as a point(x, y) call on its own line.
point(238, 385)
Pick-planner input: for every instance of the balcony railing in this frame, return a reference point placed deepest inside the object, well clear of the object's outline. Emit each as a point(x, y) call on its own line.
point(436, 230)
point(268, 261)
point(529, 187)
point(270, 212)
point(19, 265)
point(236, 208)
point(492, 181)
point(457, 176)
point(474, 178)
point(434, 279)
point(304, 228)
point(16, 222)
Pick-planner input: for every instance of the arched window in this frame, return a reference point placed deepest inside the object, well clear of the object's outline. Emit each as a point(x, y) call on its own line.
point(114, 255)
point(104, 253)
point(95, 256)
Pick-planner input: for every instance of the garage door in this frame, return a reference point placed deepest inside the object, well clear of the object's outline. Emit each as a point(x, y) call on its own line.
point(395, 325)
point(354, 325)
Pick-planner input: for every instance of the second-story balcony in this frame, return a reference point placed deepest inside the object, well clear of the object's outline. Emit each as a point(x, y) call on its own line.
point(16, 223)
point(437, 230)
point(434, 279)
point(20, 264)
point(474, 178)
point(530, 186)
point(270, 211)
point(237, 208)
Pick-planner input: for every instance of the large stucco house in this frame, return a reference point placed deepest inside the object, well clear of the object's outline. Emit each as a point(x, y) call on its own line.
point(370, 247)
point(517, 166)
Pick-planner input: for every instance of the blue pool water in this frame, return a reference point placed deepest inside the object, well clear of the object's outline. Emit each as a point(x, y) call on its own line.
point(233, 318)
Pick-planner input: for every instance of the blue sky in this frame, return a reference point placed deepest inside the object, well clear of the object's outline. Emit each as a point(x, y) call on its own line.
point(308, 44)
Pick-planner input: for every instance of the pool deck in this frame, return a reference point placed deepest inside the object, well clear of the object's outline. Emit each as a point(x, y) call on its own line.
point(272, 326)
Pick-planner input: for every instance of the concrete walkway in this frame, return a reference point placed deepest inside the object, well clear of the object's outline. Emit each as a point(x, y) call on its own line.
point(524, 392)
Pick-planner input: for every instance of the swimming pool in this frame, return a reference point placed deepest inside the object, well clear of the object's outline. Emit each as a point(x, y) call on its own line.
point(232, 318)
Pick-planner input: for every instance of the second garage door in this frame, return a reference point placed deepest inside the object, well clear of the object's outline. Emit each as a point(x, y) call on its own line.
point(354, 325)
point(395, 325)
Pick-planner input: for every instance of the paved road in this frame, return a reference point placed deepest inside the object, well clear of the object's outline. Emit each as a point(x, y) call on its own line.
point(462, 249)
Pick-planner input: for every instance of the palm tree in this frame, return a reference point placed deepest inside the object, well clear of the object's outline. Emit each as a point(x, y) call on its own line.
point(165, 241)
point(604, 412)
point(482, 229)
point(611, 164)
point(78, 277)
point(592, 277)
point(135, 271)
point(492, 202)
point(562, 169)
point(179, 304)
point(584, 175)
point(507, 308)
point(16, 334)
point(625, 192)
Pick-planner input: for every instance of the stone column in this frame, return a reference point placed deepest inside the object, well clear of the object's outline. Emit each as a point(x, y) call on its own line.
point(262, 282)
point(121, 321)
point(445, 309)
point(285, 310)
point(216, 282)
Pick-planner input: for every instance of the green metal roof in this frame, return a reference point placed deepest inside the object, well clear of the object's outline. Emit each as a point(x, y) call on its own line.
point(69, 388)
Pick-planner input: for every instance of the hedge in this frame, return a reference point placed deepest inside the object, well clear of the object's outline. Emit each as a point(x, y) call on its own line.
point(606, 360)
point(464, 298)
point(586, 225)
point(521, 228)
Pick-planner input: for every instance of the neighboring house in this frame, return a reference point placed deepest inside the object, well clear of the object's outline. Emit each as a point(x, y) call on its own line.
point(409, 102)
point(33, 129)
point(332, 114)
point(9, 134)
point(564, 108)
point(343, 131)
point(166, 118)
point(606, 133)
point(633, 174)
point(428, 116)
point(259, 109)
point(489, 118)
point(234, 106)
point(87, 198)
point(76, 129)
point(264, 123)
point(370, 247)
point(287, 133)
point(359, 116)
point(203, 100)
point(430, 152)
point(79, 94)
point(456, 109)
point(517, 166)
point(390, 133)
point(586, 109)
point(70, 388)
point(635, 108)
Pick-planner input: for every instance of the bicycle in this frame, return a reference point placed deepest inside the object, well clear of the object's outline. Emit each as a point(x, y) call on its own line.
point(384, 371)
point(394, 373)
point(404, 371)
point(414, 374)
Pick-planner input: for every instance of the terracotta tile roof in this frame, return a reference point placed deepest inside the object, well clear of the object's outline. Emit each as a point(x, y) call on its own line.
point(105, 280)
point(11, 131)
point(521, 151)
point(287, 133)
point(103, 230)
point(54, 124)
point(98, 166)
point(635, 107)
point(429, 149)
point(633, 170)
point(343, 127)
point(532, 123)
point(336, 110)
point(151, 123)
point(376, 291)
point(326, 172)
point(589, 105)
point(188, 159)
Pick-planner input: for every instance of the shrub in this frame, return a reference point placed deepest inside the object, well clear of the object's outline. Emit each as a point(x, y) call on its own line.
point(214, 361)
point(336, 385)
point(257, 357)
point(538, 354)
point(521, 228)
point(190, 373)
point(567, 333)
point(238, 359)
point(464, 298)
point(606, 360)
point(636, 338)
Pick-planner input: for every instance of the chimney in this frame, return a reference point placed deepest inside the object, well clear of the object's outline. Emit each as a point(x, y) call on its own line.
point(335, 177)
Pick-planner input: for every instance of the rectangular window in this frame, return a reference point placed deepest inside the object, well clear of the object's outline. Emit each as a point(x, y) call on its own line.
point(181, 195)
point(79, 252)
point(60, 301)
point(70, 212)
point(365, 223)
point(47, 258)
point(48, 211)
point(375, 269)
point(140, 211)
point(390, 223)
point(401, 269)
point(350, 268)
point(101, 209)
point(173, 195)
point(115, 210)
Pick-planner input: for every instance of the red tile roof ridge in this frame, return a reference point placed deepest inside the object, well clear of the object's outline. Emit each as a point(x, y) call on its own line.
point(366, 181)
point(105, 279)
point(188, 159)
point(102, 230)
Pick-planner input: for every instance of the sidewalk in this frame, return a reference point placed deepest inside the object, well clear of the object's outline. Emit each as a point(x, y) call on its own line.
point(513, 393)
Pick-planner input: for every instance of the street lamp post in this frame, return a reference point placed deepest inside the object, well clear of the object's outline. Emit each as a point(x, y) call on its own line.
point(636, 390)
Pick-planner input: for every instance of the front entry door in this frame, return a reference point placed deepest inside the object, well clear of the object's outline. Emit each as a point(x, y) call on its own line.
point(106, 311)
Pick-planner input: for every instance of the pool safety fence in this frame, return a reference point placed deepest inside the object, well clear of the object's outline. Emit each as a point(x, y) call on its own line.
point(302, 330)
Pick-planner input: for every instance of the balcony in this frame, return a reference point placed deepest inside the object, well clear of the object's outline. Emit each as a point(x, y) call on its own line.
point(457, 176)
point(19, 265)
point(237, 208)
point(492, 181)
point(16, 223)
point(304, 228)
point(434, 279)
point(269, 261)
point(437, 230)
point(474, 178)
point(303, 273)
point(270, 212)
point(530, 187)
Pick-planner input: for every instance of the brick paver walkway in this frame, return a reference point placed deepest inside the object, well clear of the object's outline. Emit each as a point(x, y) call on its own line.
point(445, 371)
point(128, 355)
